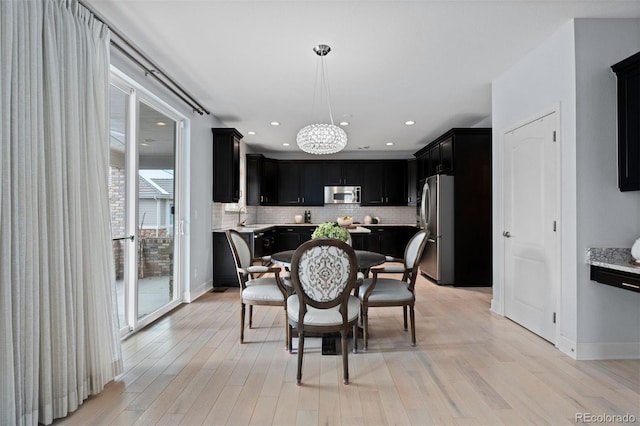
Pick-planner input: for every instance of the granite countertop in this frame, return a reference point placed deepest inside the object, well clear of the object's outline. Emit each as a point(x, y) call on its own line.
point(612, 258)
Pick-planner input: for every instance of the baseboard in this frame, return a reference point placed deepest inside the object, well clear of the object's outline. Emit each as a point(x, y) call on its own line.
point(496, 308)
point(194, 293)
point(567, 347)
point(615, 350)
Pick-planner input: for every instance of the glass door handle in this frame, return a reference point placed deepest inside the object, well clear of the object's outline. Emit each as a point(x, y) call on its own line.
point(130, 237)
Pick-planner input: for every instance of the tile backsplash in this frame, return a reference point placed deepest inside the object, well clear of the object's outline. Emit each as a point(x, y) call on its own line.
point(281, 215)
point(389, 215)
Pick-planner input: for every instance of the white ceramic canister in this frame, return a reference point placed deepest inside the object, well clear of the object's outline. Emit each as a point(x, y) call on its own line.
point(367, 220)
point(635, 250)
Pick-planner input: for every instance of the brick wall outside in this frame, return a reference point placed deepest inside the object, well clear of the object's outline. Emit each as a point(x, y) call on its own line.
point(156, 257)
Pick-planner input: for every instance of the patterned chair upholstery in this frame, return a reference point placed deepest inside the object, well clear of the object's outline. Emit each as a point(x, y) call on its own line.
point(378, 291)
point(255, 289)
point(323, 272)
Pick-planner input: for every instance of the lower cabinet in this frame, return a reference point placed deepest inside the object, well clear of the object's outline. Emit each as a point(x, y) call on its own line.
point(224, 268)
point(388, 240)
point(290, 238)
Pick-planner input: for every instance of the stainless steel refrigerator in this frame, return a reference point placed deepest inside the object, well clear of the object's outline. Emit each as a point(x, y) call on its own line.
point(437, 216)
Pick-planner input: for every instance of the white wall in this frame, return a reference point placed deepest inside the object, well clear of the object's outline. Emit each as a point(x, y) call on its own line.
point(541, 81)
point(571, 71)
point(198, 275)
point(606, 216)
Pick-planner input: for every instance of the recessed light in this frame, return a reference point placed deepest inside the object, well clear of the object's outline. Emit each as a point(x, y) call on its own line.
point(275, 123)
point(410, 123)
point(344, 123)
point(144, 144)
point(389, 143)
point(161, 123)
point(251, 133)
point(285, 144)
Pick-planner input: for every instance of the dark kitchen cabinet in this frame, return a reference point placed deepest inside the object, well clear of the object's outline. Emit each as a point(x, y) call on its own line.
point(262, 180)
point(224, 268)
point(465, 154)
point(300, 183)
point(389, 240)
point(226, 165)
point(615, 278)
point(384, 183)
point(412, 183)
point(289, 238)
point(446, 157)
point(342, 172)
point(264, 242)
point(433, 164)
point(628, 75)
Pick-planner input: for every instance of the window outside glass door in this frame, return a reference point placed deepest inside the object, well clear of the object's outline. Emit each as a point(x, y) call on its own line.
point(144, 137)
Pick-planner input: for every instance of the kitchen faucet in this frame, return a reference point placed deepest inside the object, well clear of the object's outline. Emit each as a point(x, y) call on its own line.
point(240, 211)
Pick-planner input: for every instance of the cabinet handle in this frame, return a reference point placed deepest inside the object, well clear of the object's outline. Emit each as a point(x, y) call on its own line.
point(302, 200)
point(630, 285)
point(261, 199)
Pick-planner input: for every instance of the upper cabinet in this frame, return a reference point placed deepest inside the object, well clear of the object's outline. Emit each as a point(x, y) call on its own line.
point(384, 183)
point(300, 183)
point(444, 155)
point(412, 183)
point(628, 74)
point(342, 172)
point(226, 165)
point(262, 180)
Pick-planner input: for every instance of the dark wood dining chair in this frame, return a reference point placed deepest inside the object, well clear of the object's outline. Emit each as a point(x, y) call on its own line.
point(323, 272)
point(379, 291)
point(255, 289)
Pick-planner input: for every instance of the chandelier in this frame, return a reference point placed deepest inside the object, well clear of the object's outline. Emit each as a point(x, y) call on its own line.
point(322, 138)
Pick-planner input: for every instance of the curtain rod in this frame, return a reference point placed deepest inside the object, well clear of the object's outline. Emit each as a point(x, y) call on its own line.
point(154, 70)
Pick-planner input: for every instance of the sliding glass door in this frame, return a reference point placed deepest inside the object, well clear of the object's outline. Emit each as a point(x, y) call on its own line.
point(145, 134)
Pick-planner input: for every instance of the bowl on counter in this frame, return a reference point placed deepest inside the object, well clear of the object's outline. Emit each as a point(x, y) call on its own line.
point(345, 222)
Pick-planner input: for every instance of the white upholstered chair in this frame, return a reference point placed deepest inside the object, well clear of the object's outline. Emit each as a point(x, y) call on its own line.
point(379, 291)
point(255, 289)
point(323, 272)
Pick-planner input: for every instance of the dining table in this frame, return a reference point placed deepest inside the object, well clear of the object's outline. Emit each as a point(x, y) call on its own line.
point(366, 260)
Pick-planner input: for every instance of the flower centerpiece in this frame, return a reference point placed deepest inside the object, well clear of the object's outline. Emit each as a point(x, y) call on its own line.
point(330, 230)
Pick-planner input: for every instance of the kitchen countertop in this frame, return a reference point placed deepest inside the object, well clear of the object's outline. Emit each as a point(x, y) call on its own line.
point(612, 258)
point(361, 228)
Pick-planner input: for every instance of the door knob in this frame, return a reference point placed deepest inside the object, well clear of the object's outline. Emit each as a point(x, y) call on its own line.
point(506, 234)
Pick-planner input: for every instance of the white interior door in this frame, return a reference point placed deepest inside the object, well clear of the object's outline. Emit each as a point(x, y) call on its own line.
point(530, 225)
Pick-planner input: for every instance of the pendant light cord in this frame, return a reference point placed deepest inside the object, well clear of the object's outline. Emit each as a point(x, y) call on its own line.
point(325, 81)
point(322, 70)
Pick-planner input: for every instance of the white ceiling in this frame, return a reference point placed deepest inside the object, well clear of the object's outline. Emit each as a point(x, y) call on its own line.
point(251, 62)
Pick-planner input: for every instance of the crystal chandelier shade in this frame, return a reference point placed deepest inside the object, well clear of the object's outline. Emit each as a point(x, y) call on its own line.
point(322, 138)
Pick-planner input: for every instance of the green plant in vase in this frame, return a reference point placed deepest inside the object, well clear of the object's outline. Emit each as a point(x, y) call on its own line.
point(330, 230)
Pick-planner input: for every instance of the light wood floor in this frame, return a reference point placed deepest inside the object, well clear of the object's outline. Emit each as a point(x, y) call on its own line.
point(469, 367)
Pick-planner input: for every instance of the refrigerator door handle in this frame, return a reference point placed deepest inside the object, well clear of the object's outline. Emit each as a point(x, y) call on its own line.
point(424, 203)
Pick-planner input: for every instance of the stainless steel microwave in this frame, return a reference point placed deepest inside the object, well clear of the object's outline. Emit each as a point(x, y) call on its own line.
point(341, 194)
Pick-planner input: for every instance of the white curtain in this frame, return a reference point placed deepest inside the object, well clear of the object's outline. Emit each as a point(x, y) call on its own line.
point(59, 338)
